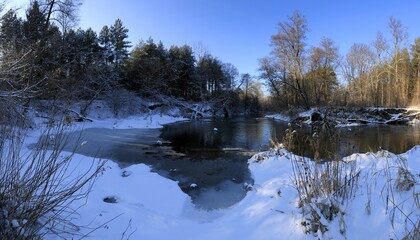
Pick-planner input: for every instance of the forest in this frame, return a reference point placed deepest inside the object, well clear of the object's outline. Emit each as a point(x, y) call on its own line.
point(384, 73)
point(44, 56)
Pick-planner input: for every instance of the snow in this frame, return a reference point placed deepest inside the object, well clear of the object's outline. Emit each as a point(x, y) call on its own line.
point(149, 121)
point(348, 125)
point(149, 206)
point(308, 113)
point(356, 117)
point(279, 116)
point(414, 122)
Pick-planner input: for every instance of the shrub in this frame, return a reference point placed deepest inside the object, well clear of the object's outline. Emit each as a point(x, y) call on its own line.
point(38, 186)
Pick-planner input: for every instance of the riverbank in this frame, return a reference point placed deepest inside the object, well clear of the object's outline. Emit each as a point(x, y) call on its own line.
point(148, 206)
point(348, 117)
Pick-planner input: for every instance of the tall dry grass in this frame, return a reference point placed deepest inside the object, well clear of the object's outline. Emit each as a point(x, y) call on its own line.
point(39, 186)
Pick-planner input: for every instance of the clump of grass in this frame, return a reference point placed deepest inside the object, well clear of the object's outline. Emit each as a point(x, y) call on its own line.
point(324, 185)
point(324, 141)
point(323, 188)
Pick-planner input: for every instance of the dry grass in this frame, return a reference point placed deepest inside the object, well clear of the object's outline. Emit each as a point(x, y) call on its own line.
point(326, 186)
point(39, 186)
point(323, 185)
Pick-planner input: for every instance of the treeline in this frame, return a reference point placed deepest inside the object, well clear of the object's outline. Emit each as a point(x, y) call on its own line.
point(182, 73)
point(44, 56)
point(383, 73)
point(153, 69)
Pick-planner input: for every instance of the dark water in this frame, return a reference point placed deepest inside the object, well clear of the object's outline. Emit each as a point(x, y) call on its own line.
point(208, 158)
point(218, 150)
point(199, 139)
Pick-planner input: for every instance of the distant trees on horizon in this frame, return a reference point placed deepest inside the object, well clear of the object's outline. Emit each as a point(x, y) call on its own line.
point(384, 73)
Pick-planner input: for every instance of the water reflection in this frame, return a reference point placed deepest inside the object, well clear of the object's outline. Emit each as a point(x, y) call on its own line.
point(396, 139)
point(198, 139)
point(230, 143)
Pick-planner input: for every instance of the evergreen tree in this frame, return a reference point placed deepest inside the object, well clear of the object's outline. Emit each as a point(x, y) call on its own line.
point(105, 41)
point(91, 48)
point(211, 76)
point(11, 32)
point(146, 69)
point(181, 72)
point(120, 45)
point(34, 26)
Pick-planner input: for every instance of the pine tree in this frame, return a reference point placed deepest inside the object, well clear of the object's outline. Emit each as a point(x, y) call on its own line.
point(120, 45)
point(90, 45)
point(181, 71)
point(146, 69)
point(34, 26)
point(105, 41)
point(11, 32)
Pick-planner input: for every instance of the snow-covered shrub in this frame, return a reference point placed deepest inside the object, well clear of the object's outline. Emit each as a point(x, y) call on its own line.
point(124, 102)
point(37, 187)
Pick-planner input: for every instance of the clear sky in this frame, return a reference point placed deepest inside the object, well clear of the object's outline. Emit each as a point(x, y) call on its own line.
point(238, 31)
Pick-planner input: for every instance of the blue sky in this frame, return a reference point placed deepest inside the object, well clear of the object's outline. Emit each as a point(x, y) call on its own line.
point(238, 31)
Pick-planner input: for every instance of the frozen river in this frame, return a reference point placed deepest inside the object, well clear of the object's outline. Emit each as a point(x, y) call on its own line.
point(208, 158)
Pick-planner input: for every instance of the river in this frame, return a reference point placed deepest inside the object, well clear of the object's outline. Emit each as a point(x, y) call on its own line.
point(208, 158)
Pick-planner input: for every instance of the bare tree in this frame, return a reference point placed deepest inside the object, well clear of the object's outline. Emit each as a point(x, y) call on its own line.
point(415, 65)
point(314, 76)
point(64, 12)
point(268, 72)
point(289, 44)
point(330, 63)
point(356, 69)
point(381, 48)
point(322, 79)
point(399, 35)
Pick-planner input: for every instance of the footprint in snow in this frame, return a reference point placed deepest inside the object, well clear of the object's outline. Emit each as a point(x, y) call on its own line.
point(111, 199)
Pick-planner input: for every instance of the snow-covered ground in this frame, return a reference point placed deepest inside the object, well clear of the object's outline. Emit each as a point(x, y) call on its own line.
point(148, 206)
point(342, 117)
